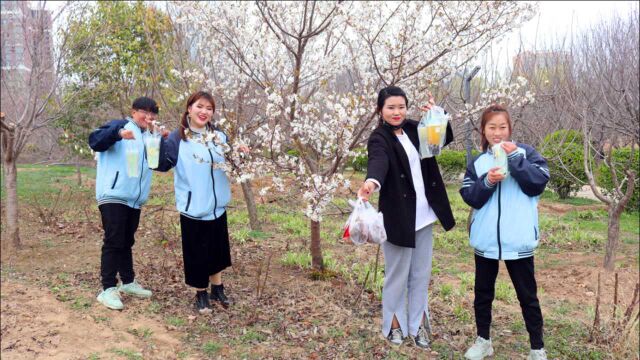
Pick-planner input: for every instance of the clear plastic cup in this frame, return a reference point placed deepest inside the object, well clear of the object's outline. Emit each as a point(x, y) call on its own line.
point(152, 146)
point(500, 158)
point(133, 159)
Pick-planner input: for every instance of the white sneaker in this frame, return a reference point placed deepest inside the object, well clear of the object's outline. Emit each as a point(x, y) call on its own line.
point(111, 298)
point(133, 288)
point(537, 355)
point(395, 337)
point(480, 349)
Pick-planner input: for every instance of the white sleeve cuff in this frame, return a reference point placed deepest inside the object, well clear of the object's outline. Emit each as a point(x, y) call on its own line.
point(375, 182)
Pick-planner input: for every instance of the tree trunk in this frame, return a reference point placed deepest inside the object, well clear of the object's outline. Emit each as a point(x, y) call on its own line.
point(316, 252)
point(11, 188)
point(613, 235)
point(247, 191)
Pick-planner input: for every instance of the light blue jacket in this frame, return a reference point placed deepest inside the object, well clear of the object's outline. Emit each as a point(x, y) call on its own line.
point(113, 185)
point(202, 192)
point(504, 224)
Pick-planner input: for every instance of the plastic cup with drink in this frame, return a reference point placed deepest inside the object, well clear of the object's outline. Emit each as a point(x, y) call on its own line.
point(431, 132)
point(152, 146)
point(133, 158)
point(500, 159)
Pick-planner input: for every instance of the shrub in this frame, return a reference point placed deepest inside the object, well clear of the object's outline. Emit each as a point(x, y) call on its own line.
point(453, 163)
point(563, 150)
point(620, 159)
point(359, 161)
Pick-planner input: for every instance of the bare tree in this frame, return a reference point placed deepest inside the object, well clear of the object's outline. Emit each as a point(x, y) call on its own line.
point(601, 93)
point(29, 84)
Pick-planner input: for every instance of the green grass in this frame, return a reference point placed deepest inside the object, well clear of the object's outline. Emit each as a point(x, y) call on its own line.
point(154, 307)
point(127, 353)
point(143, 333)
point(300, 259)
point(176, 321)
point(577, 201)
point(81, 303)
point(42, 181)
point(252, 336)
point(505, 291)
point(210, 348)
point(445, 291)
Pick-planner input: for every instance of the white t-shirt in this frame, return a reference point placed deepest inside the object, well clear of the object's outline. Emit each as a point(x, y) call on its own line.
point(424, 213)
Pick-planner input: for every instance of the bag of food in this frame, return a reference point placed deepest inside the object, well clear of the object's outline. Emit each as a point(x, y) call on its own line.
point(365, 224)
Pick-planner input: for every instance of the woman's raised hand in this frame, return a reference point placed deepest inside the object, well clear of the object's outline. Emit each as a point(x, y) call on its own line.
point(430, 104)
point(366, 190)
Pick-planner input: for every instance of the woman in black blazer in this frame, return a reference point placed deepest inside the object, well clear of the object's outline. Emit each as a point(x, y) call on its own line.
point(412, 198)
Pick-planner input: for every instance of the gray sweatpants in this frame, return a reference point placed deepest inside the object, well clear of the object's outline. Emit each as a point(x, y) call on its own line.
point(406, 283)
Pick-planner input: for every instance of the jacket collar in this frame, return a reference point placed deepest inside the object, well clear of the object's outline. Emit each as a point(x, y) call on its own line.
point(410, 129)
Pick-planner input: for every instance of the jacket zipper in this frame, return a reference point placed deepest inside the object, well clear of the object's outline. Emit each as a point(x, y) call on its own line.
point(499, 210)
point(213, 183)
point(115, 180)
point(188, 202)
point(144, 156)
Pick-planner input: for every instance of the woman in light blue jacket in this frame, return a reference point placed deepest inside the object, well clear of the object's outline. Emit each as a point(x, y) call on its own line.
point(196, 152)
point(504, 226)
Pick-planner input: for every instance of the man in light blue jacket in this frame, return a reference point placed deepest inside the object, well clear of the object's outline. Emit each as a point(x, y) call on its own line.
point(123, 180)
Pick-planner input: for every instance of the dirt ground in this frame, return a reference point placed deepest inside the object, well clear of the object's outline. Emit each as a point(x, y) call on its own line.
point(48, 307)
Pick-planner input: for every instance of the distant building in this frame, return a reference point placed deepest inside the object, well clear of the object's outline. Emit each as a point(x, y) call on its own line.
point(27, 67)
point(26, 42)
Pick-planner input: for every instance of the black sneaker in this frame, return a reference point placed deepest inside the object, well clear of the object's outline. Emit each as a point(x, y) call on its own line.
point(217, 294)
point(202, 302)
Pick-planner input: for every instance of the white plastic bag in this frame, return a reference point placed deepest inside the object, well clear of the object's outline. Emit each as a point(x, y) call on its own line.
point(365, 224)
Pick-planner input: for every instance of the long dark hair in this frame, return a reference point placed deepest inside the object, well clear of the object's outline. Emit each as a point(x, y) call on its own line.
point(386, 93)
point(184, 120)
point(487, 114)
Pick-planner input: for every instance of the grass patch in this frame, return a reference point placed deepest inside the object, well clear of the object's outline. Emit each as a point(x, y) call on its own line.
point(81, 303)
point(251, 336)
point(142, 333)
point(505, 292)
point(127, 353)
point(299, 259)
point(576, 201)
point(210, 348)
point(176, 321)
point(38, 181)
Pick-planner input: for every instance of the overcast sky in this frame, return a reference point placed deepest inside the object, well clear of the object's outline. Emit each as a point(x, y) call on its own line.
point(555, 20)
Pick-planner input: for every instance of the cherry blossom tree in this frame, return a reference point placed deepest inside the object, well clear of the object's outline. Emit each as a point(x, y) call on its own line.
point(318, 66)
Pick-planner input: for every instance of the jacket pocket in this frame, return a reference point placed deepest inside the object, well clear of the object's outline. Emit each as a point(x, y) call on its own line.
point(188, 202)
point(535, 232)
point(115, 180)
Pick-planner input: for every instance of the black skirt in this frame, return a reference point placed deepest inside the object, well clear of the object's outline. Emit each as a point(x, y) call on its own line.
point(205, 249)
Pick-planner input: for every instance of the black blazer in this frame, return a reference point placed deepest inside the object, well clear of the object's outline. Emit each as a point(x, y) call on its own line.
point(388, 164)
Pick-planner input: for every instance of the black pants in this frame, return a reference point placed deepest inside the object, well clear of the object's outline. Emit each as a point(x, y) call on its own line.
point(120, 223)
point(205, 249)
point(522, 276)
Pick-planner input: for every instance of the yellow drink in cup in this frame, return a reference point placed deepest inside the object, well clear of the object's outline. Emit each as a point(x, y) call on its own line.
point(433, 134)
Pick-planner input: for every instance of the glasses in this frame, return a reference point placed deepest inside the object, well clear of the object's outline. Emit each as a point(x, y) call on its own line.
point(148, 114)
